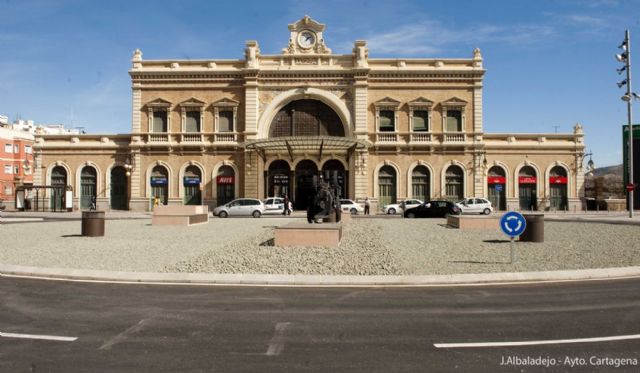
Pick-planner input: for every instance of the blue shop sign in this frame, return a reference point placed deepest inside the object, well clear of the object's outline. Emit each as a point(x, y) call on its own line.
point(159, 180)
point(191, 180)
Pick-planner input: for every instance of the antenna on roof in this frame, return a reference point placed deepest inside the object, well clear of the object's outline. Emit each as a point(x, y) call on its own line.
point(556, 128)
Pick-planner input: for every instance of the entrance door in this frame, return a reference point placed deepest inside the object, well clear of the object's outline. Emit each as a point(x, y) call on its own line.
point(343, 178)
point(192, 181)
point(159, 185)
point(88, 188)
point(118, 188)
point(225, 181)
point(58, 180)
point(278, 179)
point(527, 179)
point(496, 186)
point(558, 188)
point(305, 171)
point(386, 186)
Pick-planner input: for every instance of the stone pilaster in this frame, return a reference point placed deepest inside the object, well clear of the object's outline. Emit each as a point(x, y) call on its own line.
point(136, 126)
point(477, 108)
point(251, 174)
point(361, 163)
point(252, 107)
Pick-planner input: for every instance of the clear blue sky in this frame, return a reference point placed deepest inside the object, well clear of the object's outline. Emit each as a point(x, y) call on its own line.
point(549, 63)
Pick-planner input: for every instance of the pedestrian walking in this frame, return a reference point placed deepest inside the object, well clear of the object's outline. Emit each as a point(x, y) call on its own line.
point(286, 205)
point(367, 206)
point(290, 208)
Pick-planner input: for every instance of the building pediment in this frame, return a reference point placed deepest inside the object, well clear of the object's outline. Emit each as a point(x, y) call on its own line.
point(387, 102)
point(454, 101)
point(158, 103)
point(421, 102)
point(306, 38)
point(192, 102)
point(226, 102)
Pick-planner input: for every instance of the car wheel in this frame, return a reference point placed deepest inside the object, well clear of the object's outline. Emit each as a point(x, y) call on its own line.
point(486, 211)
point(411, 215)
point(223, 214)
point(256, 214)
point(392, 211)
point(354, 212)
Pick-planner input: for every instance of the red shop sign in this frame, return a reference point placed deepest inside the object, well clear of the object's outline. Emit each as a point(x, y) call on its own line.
point(496, 180)
point(527, 180)
point(224, 180)
point(557, 180)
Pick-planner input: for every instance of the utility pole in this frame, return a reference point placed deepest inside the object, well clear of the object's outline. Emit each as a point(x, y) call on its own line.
point(625, 57)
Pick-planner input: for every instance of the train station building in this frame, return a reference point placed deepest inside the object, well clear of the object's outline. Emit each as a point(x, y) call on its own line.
point(209, 131)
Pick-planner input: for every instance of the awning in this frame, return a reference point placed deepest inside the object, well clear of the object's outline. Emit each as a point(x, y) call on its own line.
point(308, 144)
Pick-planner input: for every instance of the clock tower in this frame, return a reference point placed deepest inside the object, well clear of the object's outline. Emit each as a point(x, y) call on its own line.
point(306, 38)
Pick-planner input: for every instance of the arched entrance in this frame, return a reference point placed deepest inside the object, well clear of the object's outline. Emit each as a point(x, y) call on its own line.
point(88, 188)
point(496, 186)
point(192, 182)
point(225, 185)
point(558, 188)
point(278, 179)
point(306, 170)
point(527, 181)
point(160, 185)
point(58, 180)
point(454, 183)
point(420, 183)
point(386, 186)
point(335, 166)
point(118, 187)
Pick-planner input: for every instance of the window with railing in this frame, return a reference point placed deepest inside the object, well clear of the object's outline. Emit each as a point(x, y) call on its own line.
point(159, 122)
point(225, 121)
point(225, 114)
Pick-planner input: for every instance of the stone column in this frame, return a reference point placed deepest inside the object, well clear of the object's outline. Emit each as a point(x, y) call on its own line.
point(252, 173)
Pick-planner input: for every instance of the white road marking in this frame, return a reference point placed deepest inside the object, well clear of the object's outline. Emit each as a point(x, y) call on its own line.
point(276, 345)
point(38, 336)
point(533, 343)
point(122, 336)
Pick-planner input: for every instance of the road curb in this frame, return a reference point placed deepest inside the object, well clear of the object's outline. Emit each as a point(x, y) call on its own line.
point(314, 280)
point(592, 220)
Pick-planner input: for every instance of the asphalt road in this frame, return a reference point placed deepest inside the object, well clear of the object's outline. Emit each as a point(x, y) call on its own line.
point(152, 328)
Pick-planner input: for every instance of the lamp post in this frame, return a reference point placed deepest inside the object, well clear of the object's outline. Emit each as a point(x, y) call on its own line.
point(129, 167)
point(625, 57)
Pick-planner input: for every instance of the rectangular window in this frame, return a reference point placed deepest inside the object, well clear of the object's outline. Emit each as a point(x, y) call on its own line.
point(225, 121)
point(27, 149)
point(420, 120)
point(8, 148)
point(454, 121)
point(159, 121)
point(192, 123)
point(7, 169)
point(387, 121)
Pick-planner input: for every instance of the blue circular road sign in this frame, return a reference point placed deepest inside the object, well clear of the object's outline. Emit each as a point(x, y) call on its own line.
point(513, 224)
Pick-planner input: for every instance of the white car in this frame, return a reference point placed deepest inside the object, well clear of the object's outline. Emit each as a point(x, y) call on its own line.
point(240, 207)
point(475, 206)
point(347, 205)
point(273, 205)
point(400, 207)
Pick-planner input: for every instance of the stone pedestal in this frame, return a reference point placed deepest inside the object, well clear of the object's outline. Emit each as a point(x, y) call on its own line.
point(301, 234)
point(491, 222)
point(180, 215)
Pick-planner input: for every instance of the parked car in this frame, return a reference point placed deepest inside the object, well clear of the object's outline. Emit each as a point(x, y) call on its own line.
point(433, 209)
point(273, 205)
point(353, 208)
point(475, 206)
point(240, 207)
point(400, 207)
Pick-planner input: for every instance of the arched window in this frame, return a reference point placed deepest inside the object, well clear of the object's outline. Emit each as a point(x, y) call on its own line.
point(387, 186)
point(420, 183)
point(88, 186)
point(59, 181)
point(454, 183)
point(306, 170)
point(306, 118)
point(334, 166)
point(496, 186)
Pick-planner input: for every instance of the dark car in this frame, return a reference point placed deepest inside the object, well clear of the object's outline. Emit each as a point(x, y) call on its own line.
point(433, 209)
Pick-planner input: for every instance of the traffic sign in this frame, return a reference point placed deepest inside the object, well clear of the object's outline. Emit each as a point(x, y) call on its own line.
point(498, 187)
point(513, 224)
point(630, 187)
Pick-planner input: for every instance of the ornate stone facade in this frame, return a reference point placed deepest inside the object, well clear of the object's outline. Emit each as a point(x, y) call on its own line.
point(408, 128)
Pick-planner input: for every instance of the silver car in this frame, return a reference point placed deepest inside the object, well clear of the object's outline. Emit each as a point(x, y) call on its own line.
point(400, 207)
point(347, 205)
point(240, 207)
point(475, 206)
point(273, 205)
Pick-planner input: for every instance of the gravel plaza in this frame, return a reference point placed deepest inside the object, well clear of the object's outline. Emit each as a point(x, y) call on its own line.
point(370, 246)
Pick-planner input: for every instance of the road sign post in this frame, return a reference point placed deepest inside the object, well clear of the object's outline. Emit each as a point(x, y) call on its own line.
point(513, 224)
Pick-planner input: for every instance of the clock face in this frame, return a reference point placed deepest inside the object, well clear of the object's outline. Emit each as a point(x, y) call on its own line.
point(307, 39)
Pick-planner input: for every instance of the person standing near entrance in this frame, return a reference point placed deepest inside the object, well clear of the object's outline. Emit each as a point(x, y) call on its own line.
point(367, 206)
point(286, 205)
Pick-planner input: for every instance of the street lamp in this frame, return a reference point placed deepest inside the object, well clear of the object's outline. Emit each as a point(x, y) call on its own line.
point(129, 166)
point(625, 57)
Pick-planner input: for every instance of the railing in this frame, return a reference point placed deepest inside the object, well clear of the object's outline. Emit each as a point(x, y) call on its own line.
point(454, 137)
point(226, 137)
point(191, 137)
point(420, 137)
point(158, 137)
point(387, 137)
